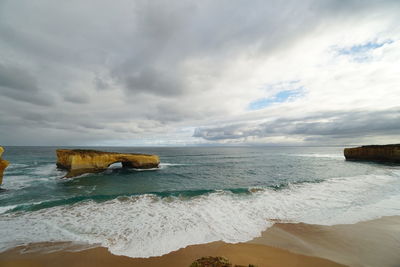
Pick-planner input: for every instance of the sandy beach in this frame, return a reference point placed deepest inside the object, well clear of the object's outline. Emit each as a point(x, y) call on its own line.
point(371, 243)
point(241, 254)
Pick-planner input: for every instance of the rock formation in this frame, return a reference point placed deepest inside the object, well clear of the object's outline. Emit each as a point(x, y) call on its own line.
point(215, 262)
point(3, 165)
point(382, 153)
point(79, 161)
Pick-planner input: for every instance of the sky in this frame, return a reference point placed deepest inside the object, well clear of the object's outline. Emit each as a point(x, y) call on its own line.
point(159, 73)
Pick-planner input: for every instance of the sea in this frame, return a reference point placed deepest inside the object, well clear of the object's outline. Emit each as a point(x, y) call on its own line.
point(197, 195)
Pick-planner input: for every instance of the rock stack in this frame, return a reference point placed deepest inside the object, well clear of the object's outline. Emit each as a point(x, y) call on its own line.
point(3, 165)
point(381, 153)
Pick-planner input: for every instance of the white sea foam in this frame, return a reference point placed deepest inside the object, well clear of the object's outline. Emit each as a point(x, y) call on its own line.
point(13, 182)
point(141, 170)
point(7, 208)
point(150, 226)
point(4, 209)
point(172, 164)
point(33, 175)
point(48, 170)
point(161, 166)
point(14, 166)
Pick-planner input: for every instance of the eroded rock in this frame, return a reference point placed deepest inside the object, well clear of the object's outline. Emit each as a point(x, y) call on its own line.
point(211, 262)
point(3, 165)
point(215, 262)
point(80, 161)
point(381, 153)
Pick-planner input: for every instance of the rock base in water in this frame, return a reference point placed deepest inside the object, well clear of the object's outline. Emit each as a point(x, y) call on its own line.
point(381, 153)
point(79, 161)
point(215, 262)
point(3, 165)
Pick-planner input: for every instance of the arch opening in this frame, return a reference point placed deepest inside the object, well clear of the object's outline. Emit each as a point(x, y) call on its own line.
point(115, 165)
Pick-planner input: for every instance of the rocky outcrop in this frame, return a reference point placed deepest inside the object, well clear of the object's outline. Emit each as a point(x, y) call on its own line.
point(381, 153)
point(79, 161)
point(215, 262)
point(3, 165)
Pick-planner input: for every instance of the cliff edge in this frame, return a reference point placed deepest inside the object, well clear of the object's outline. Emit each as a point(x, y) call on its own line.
point(79, 161)
point(381, 153)
point(3, 165)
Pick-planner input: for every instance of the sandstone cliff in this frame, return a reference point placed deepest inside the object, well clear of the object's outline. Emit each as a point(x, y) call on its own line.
point(3, 165)
point(80, 161)
point(382, 153)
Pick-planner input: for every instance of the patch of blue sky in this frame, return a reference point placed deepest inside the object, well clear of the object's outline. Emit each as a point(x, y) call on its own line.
point(359, 52)
point(282, 96)
point(355, 49)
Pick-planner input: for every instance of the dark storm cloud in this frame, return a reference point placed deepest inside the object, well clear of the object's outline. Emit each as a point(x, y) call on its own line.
point(101, 84)
point(19, 84)
point(151, 80)
point(28, 43)
point(332, 124)
point(77, 99)
point(15, 78)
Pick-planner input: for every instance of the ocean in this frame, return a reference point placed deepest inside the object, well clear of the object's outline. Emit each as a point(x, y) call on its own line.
point(198, 195)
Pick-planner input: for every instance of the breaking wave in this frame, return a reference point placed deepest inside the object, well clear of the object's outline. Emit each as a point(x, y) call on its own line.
point(151, 225)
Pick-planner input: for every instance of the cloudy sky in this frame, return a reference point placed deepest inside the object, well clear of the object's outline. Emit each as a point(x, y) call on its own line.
point(90, 72)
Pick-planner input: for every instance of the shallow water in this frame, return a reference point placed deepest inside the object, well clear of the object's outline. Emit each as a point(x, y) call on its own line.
point(198, 195)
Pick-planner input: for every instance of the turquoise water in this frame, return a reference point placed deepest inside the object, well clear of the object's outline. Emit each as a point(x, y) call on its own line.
point(198, 195)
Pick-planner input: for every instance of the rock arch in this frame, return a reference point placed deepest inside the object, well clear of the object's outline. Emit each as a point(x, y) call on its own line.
point(80, 161)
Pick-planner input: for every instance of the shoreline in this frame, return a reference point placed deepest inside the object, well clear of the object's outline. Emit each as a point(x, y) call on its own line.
point(241, 254)
point(370, 243)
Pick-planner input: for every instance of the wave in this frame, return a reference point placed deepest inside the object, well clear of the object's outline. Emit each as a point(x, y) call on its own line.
point(173, 164)
point(150, 225)
point(24, 175)
point(186, 194)
point(47, 170)
point(14, 166)
point(7, 208)
point(161, 166)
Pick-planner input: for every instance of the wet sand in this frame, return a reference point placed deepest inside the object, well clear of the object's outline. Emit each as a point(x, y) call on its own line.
point(243, 254)
point(372, 243)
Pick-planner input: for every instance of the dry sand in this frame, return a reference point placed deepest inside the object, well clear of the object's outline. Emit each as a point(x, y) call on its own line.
point(372, 243)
